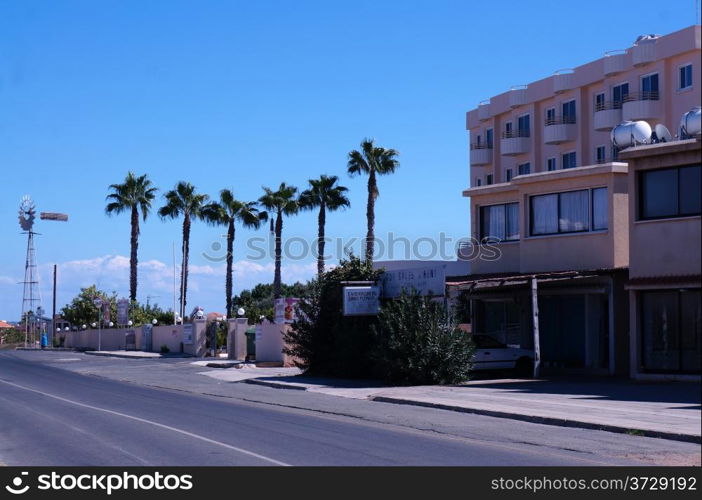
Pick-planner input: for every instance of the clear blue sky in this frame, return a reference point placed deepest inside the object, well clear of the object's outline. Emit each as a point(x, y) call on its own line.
point(244, 94)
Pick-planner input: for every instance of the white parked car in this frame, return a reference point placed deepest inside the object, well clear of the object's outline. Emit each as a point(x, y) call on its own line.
point(491, 354)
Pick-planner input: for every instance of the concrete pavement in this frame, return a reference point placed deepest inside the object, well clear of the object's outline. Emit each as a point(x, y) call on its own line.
point(670, 410)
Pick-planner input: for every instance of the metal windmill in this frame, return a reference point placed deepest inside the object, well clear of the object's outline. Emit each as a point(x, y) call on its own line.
point(31, 296)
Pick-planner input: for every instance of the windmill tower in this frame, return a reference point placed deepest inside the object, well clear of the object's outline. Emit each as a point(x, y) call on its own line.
point(32, 312)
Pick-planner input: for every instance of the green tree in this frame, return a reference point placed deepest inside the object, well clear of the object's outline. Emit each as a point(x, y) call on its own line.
point(184, 201)
point(372, 160)
point(82, 311)
point(281, 202)
point(135, 195)
point(416, 341)
point(227, 212)
point(324, 193)
point(326, 342)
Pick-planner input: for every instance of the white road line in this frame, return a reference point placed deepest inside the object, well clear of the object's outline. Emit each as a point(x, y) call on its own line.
point(150, 422)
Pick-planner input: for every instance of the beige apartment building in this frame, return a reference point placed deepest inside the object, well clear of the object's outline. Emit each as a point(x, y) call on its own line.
point(551, 205)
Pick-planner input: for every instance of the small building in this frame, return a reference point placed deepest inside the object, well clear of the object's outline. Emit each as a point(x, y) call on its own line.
point(665, 260)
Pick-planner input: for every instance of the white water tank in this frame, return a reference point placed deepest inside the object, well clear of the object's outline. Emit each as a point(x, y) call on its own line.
point(690, 123)
point(630, 133)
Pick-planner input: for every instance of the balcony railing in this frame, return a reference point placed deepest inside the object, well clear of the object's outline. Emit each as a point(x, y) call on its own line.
point(606, 105)
point(482, 145)
point(560, 120)
point(516, 133)
point(642, 96)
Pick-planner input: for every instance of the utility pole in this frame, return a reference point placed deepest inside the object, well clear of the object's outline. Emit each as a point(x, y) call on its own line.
point(53, 312)
point(535, 325)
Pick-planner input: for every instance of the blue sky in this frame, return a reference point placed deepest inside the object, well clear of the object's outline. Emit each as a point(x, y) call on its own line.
point(244, 94)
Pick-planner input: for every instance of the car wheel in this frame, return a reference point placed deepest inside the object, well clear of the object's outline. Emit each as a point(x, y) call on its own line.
point(524, 368)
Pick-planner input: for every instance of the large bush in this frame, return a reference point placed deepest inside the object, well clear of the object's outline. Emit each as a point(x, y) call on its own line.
point(417, 342)
point(326, 342)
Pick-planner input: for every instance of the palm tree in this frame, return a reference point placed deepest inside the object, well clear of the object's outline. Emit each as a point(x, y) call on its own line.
point(134, 194)
point(226, 212)
point(183, 200)
point(279, 203)
point(372, 160)
point(324, 193)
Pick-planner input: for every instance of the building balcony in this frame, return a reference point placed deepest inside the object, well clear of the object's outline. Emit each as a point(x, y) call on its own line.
point(515, 143)
point(644, 52)
point(563, 79)
point(560, 129)
point(484, 110)
point(607, 115)
point(480, 154)
point(517, 96)
point(615, 62)
point(641, 106)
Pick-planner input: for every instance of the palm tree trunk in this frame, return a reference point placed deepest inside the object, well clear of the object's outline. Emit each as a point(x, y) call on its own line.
point(184, 270)
point(370, 215)
point(278, 253)
point(133, 255)
point(321, 221)
point(230, 265)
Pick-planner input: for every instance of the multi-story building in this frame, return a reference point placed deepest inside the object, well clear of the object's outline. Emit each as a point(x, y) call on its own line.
point(550, 200)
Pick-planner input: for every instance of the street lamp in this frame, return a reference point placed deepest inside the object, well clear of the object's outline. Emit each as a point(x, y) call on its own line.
point(129, 323)
point(200, 314)
point(154, 321)
point(97, 302)
point(93, 324)
point(241, 311)
point(85, 327)
point(111, 324)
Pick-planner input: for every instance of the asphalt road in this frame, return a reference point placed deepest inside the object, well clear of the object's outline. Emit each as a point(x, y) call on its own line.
point(53, 416)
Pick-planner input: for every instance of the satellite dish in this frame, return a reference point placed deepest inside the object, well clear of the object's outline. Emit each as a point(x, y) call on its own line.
point(662, 133)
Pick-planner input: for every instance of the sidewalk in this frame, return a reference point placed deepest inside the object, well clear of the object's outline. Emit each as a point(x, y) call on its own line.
point(670, 410)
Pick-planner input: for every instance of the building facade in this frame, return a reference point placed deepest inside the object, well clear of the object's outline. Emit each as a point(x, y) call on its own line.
point(550, 202)
point(665, 260)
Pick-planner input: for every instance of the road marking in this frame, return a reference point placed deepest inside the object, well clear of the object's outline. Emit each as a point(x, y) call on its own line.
point(151, 422)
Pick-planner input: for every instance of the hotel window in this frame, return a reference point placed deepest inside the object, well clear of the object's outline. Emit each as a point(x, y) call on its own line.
point(488, 137)
point(649, 87)
point(670, 192)
point(550, 116)
point(671, 326)
point(568, 160)
point(599, 209)
point(500, 222)
point(488, 179)
point(601, 154)
point(568, 109)
point(508, 129)
point(619, 93)
point(508, 174)
point(478, 182)
point(478, 140)
point(569, 212)
point(685, 77)
point(523, 126)
point(551, 164)
point(599, 101)
point(524, 169)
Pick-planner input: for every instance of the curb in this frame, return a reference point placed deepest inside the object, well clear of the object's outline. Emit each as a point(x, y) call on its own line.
point(545, 420)
point(126, 356)
point(688, 438)
point(275, 385)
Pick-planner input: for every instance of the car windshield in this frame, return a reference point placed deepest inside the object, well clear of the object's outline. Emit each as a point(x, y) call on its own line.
point(486, 342)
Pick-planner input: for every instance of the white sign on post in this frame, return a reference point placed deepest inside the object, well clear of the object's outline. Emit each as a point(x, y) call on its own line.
point(187, 334)
point(361, 300)
point(429, 281)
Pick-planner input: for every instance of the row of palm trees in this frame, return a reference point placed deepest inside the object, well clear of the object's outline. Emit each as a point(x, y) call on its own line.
point(137, 193)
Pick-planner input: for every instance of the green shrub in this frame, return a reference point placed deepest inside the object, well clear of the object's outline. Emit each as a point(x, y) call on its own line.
point(417, 342)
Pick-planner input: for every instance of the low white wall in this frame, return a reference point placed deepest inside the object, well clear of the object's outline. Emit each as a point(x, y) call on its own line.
point(169, 335)
point(269, 344)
